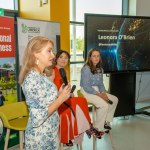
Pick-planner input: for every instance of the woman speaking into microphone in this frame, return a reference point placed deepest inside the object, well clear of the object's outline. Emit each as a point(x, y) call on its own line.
point(42, 96)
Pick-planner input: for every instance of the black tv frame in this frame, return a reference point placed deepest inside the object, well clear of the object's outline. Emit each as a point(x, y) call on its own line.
point(117, 17)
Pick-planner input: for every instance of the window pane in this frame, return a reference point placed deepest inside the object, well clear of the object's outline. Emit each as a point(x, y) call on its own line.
point(75, 74)
point(7, 4)
point(77, 10)
point(94, 6)
point(77, 42)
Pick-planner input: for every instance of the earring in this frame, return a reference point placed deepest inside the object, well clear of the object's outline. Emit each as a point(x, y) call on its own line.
point(36, 61)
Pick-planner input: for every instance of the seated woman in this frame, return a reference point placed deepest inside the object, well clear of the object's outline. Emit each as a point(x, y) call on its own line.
point(74, 113)
point(93, 89)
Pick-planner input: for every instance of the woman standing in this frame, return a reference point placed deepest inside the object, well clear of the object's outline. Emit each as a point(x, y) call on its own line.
point(93, 89)
point(74, 113)
point(41, 96)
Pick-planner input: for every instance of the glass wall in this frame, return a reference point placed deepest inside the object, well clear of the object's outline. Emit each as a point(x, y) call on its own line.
point(77, 10)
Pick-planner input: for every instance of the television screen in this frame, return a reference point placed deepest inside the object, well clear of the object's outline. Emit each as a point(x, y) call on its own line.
point(124, 41)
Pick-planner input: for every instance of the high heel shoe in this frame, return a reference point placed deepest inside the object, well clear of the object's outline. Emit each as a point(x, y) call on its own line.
point(90, 131)
point(95, 132)
point(70, 143)
point(107, 126)
point(98, 134)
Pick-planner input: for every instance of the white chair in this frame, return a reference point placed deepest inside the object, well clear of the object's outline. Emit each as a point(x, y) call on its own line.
point(93, 121)
point(93, 117)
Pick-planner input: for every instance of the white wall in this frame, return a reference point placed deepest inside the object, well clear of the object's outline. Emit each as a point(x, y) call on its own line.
point(132, 7)
point(141, 8)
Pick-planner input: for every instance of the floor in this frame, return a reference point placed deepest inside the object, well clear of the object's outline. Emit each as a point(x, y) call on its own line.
point(128, 133)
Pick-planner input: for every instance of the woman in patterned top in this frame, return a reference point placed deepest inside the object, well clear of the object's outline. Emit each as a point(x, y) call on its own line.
point(42, 96)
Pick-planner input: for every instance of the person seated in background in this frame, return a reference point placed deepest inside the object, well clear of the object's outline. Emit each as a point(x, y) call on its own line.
point(74, 113)
point(93, 89)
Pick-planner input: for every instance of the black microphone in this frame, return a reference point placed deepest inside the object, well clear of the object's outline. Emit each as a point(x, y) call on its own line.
point(109, 101)
point(73, 88)
point(63, 75)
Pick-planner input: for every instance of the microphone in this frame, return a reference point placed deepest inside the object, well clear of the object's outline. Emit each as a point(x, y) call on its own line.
point(64, 78)
point(63, 75)
point(109, 101)
point(73, 88)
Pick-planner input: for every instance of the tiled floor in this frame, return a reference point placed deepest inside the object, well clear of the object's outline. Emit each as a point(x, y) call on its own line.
point(129, 133)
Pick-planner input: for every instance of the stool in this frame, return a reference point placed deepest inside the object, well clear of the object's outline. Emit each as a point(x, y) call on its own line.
point(93, 121)
point(94, 138)
point(93, 117)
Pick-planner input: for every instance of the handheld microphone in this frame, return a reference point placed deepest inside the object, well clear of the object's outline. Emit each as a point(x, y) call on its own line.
point(109, 101)
point(73, 88)
point(63, 75)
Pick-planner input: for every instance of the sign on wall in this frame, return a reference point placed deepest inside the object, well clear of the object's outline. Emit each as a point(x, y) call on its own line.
point(8, 84)
point(29, 28)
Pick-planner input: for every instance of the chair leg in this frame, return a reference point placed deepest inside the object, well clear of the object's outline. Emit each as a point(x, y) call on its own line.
point(7, 139)
point(93, 115)
point(79, 146)
point(61, 146)
point(94, 143)
point(93, 119)
point(21, 139)
point(111, 140)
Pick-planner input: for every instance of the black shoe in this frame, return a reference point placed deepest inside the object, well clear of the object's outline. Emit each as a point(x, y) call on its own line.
point(89, 133)
point(70, 143)
point(99, 134)
point(106, 126)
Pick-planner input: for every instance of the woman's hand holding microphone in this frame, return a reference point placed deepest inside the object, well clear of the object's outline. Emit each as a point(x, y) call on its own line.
point(64, 92)
point(104, 96)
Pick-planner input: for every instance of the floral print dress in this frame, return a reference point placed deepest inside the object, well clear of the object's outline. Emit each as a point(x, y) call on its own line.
point(42, 130)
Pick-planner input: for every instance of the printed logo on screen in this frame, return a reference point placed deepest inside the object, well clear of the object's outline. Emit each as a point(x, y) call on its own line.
point(26, 29)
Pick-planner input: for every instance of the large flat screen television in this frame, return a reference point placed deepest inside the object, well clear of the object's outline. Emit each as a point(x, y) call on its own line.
point(124, 41)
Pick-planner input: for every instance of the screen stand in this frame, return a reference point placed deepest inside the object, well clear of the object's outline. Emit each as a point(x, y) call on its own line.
point(142, 111)
point(122, 85)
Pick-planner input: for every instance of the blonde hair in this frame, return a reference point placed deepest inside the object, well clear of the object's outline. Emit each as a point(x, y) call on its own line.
point(35, 45)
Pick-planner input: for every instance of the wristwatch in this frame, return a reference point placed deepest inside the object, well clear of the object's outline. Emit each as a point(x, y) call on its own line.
point(1, 128)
